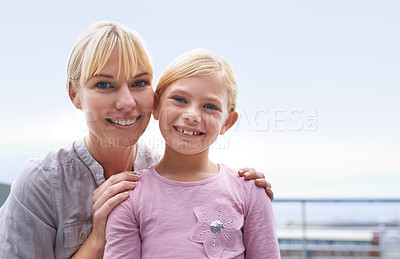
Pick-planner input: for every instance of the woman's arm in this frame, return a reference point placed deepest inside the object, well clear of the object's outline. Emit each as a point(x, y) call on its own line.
point(27, 227)
point(105, 199)
point(252, 174)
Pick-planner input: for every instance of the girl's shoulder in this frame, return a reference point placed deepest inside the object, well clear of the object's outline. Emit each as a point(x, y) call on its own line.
point(236, 181)
point(229, 172)
point(146, 172)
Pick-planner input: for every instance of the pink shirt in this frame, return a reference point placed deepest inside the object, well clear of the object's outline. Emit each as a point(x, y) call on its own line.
point(220, 217)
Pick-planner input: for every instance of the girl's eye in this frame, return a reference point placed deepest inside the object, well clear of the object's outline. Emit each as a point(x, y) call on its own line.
point(180, 99)
point(103, 85)
point(210, 106)
point(140, 83)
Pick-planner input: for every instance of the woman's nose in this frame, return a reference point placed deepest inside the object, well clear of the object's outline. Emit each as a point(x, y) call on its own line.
point(125, 99)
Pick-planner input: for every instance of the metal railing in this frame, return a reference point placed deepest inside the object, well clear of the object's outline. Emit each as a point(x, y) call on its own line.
point(306, 222)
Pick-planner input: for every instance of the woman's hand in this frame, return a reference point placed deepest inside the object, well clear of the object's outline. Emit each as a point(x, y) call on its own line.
point(252, 174)
point(105, 198)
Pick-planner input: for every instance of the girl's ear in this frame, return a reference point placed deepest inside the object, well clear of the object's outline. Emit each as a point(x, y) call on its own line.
point(72, 95)
point(230, 121)
point(155, 106)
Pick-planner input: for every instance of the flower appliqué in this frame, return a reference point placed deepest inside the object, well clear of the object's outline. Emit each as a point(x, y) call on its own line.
point(218, 228)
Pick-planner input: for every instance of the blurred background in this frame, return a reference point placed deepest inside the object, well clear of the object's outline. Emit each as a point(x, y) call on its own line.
point(318, 91)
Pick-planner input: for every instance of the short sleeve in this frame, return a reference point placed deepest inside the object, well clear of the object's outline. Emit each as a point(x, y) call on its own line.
point(122, 232)
point(259, 226)
point(26, 218)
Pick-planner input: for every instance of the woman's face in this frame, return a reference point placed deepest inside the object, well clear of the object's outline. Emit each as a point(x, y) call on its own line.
point(117, 110)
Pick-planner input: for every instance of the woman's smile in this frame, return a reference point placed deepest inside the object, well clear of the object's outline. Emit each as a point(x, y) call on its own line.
point(124, 122)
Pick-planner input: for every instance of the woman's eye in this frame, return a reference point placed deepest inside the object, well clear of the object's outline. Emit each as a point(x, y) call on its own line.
point(180, 99)
point(210, 106)
point(140, 83)
point(103, 85)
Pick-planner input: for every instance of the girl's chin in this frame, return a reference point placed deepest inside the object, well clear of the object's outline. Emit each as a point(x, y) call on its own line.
point(187, 149)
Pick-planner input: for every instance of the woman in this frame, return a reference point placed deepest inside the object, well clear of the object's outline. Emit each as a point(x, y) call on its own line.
point(58, 206)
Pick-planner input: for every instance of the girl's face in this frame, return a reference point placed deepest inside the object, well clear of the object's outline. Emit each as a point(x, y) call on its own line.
point(192, 112)
point(117, 110)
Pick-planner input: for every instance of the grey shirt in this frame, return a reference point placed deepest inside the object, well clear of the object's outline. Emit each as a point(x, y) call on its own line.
point(48, 213)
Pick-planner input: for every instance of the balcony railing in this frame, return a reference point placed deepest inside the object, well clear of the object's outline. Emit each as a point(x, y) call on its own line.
point(338, 228)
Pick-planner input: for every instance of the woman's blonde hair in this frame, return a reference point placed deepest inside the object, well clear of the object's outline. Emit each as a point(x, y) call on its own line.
point(94, 48)
point(200, 62)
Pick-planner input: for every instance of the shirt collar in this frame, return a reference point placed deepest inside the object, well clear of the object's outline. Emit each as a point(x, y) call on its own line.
point(95, 168)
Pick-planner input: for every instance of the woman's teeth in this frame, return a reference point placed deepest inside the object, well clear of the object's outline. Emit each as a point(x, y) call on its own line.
point(188, 132)
point(124, 122)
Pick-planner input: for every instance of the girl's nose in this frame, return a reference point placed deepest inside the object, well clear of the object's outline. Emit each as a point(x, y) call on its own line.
point(192, 115)
point(125, 99)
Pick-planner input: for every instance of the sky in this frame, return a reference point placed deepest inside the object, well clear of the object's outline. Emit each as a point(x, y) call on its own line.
point(318, 83)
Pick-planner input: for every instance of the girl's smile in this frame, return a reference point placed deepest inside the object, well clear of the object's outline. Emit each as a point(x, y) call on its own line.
point(188, 132)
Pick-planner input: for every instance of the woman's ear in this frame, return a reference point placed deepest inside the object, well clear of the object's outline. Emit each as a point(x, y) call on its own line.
point(155, 106)
point(73, 95)
point(229, 122)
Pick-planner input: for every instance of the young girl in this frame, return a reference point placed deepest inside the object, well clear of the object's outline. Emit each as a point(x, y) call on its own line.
point(187, 206)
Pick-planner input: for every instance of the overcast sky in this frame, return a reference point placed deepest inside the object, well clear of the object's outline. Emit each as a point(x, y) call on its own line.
point(318, 82)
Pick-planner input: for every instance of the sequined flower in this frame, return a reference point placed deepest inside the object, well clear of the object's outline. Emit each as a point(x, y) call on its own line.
point(218, 228)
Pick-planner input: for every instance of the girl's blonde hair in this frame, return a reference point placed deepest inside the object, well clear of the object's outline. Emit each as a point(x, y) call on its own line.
point(200, 62)
point(94, 48)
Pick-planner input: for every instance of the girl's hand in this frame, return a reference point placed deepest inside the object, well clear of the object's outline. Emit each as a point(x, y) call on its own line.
point(105, 198)
point(252, 174)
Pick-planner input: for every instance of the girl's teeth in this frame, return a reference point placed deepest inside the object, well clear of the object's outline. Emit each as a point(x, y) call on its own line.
point(188, 132)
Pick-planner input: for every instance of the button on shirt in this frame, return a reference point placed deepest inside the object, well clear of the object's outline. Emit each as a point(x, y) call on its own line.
point(48, 213)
